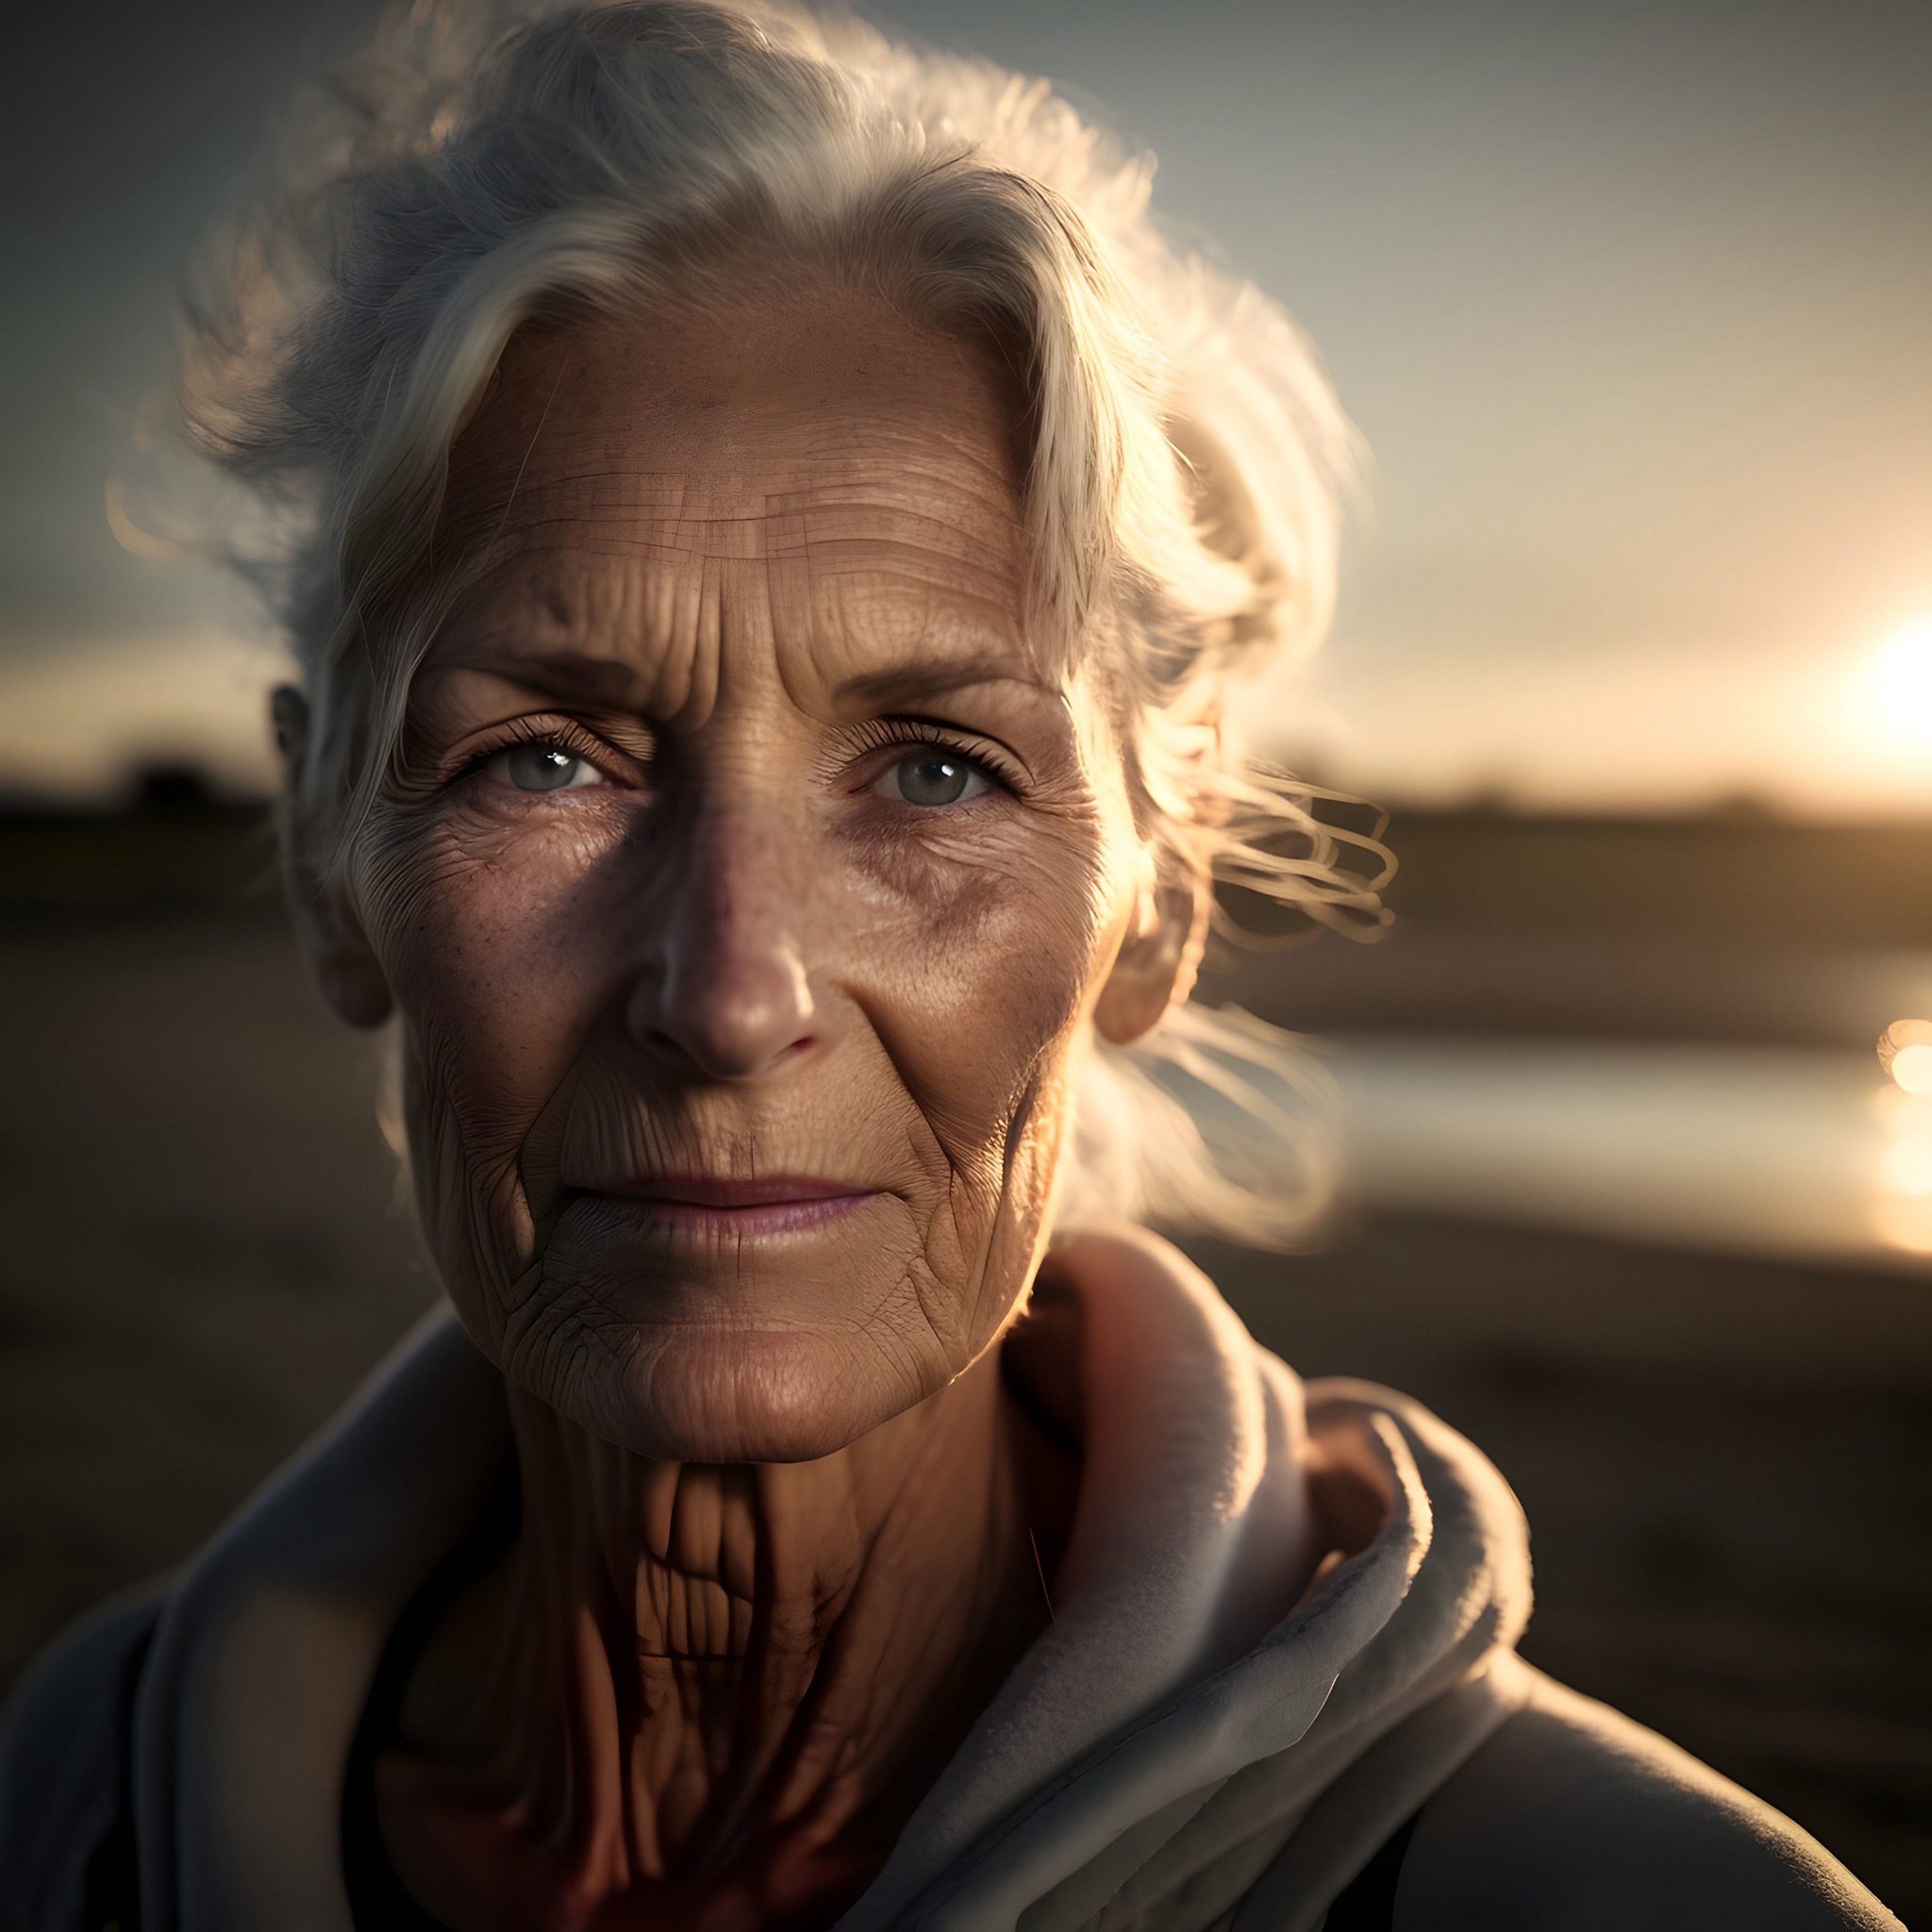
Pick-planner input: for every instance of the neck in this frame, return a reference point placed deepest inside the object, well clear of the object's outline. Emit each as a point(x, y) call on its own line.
point(696, 1694)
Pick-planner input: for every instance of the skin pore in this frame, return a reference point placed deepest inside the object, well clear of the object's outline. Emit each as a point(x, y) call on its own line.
point(751, 884)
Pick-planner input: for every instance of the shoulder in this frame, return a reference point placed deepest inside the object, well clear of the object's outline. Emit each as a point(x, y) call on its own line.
point(64, 1771)
point(1573, 1817)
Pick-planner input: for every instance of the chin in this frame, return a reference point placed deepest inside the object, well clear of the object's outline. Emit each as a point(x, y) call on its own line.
point(692, 1350)
point(734, 1395)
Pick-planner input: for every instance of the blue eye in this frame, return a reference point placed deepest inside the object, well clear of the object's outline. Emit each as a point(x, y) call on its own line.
point(935, 777)
point(544, 768)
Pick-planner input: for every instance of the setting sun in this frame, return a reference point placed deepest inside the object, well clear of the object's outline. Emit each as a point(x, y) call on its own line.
point(1902, 682)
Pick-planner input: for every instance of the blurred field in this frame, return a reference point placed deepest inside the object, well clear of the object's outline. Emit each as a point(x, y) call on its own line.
point(1723, 1460)
point(1723, 928)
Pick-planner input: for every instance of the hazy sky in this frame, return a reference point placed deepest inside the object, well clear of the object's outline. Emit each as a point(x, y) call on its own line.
point(1632, 302)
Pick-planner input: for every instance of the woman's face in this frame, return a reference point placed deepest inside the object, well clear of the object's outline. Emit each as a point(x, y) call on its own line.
point(754, 879)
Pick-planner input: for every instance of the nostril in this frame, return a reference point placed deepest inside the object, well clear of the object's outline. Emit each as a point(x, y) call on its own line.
point(729, 1019)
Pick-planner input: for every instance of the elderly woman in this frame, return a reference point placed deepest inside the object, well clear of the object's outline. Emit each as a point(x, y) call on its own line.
point(769, 527)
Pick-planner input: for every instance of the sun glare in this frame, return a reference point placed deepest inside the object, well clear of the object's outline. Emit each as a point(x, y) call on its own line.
point(1902, 683)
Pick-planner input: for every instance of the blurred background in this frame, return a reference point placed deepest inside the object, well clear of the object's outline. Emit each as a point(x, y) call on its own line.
point(1631, 304)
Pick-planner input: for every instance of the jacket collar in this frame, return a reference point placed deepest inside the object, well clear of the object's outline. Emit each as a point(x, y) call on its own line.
point(1177, 1658)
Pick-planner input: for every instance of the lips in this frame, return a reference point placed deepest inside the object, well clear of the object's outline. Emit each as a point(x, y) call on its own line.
point(772, 1204)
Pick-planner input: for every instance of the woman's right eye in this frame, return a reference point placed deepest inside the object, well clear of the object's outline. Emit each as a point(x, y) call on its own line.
point(542, 768)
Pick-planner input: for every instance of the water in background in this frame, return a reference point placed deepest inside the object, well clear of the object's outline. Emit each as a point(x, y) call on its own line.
point(1804, 1152)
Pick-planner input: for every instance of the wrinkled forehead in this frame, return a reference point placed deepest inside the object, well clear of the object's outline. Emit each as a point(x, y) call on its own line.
point(821, 483)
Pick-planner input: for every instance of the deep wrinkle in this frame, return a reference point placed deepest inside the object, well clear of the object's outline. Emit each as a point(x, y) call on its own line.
point(735, 951)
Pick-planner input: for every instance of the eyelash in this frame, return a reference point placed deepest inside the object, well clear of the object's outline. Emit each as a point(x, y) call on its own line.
point(892, 734)
point(564, 733)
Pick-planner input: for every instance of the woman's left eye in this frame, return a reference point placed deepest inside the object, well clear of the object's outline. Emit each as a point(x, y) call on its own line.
point(934, 776)
point(542, 768)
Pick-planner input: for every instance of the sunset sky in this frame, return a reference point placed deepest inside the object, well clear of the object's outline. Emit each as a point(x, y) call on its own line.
point(1632, 303)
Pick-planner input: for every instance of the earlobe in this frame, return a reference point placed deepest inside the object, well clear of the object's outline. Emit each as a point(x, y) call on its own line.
point(288, 714)
point(1160, 956)
point(334, 946)
point(349, 977)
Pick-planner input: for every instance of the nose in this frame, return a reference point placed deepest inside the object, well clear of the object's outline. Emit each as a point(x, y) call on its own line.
point(725, 990)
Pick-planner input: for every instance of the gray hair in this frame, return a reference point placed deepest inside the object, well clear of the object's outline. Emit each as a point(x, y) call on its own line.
point(482, 168)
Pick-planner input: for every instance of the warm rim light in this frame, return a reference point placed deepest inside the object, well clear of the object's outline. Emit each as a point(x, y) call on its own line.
point(1902, 682)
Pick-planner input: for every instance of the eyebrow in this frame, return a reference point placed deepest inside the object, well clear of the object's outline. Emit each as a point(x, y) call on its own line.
point(909, 684)
point(559, 674)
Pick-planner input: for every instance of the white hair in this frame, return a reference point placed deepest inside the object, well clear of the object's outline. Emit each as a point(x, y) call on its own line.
point(481, 168)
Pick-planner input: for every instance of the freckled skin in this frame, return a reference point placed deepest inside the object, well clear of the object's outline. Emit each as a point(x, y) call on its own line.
point(735, 571)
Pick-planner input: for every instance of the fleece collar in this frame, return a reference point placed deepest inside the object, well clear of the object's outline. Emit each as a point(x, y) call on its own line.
point(1197, 1739)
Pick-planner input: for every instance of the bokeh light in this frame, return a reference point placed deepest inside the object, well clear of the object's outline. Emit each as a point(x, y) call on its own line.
point(1911, 1067)
point(1901, 1216)
point(1905, 1051)
point(1902, 1208)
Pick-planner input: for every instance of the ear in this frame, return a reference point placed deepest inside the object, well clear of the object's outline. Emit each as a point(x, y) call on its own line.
point(335, 949)
point(1161, 953)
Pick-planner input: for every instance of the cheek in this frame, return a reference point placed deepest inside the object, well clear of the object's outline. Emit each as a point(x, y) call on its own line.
point(988, 967)
point(984, 961)
point(497, 975)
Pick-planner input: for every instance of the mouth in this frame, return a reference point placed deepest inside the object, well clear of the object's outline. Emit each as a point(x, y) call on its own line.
point(774, 1204)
